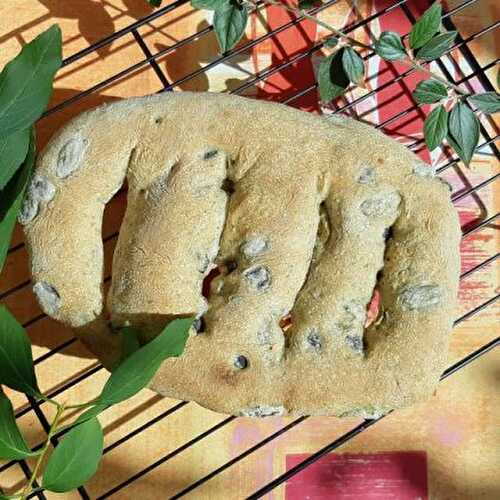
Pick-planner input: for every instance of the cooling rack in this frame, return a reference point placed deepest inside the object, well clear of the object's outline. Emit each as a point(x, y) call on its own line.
point(448, 64)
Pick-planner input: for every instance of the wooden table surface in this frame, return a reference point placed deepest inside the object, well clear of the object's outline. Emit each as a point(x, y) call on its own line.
point(446, 448)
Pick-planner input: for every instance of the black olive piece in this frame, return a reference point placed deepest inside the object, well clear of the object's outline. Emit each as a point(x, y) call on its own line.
point(199, 324)
point(240, 362)
point(210, 154)
point(355, 343)
point(228, 186)
point(231, 265)
point(388, 233)
point(314, 340)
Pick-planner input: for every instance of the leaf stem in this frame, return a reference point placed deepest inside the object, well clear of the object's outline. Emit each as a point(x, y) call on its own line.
point(419, 67)
point(409, 62)
point(92, 402)
point(48, 400)
point(53, 428)
point(303, 13)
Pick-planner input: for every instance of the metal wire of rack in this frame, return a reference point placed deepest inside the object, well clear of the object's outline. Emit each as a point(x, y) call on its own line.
point(477, 72)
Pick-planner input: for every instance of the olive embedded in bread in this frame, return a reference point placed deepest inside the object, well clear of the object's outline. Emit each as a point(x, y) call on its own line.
point(299, 212)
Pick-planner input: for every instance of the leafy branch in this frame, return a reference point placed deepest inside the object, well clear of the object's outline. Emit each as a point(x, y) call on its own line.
point(458, 124)
point(76, 458)
point(53, 429)
point(452, 117)
point(25, 89)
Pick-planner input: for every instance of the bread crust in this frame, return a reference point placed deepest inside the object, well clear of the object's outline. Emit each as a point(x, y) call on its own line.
point(295, 211)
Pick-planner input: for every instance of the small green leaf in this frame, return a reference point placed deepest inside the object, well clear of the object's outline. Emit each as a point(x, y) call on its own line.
point(155, 3)
point(353, 65)
point(463, 130)
point(26, 81)
point(130, 341)
point(13, 150)
point(138, 369)
point(207, 4)
point(12, 444)
point(429, 91)
point(9, 497)
point(390, 47)
point(331, 42)
point(16, 361)
point(332, 79)
point(11, 199)
point(487, 102)
point(75, 459)
point(437, 46)
point(307, 4)
point(230, 21)
point(435, 127)
point(426, 27)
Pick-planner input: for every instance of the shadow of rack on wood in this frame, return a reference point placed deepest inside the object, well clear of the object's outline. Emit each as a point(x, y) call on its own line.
point(151, 61)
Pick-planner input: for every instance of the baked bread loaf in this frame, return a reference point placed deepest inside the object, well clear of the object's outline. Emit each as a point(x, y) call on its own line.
point(304, 217)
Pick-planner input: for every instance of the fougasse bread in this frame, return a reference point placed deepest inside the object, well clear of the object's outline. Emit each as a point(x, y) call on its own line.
point(304, 216)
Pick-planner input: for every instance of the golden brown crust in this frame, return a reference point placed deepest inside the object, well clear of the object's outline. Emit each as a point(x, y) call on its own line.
point(295, 209)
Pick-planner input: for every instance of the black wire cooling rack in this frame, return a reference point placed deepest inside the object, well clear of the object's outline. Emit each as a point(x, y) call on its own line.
point(448, 61)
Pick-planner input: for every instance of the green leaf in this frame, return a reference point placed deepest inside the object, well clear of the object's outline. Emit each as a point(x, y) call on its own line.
point(207, 4)
point(426, 27)
point(10, 497)
point(130, 341)
point(463, 129)
point(435, 127)
point(230, 21)
point(437, 46)
point(353, 65)
point(155, 3)
point(75, 459)
point(26, 81)
point(332, 79)
point(16, 361)
point(12, 444)
point(487, 102)
point(13, 151)
point(331, 42)
point(307, 4)
point(137, 370)
point(11, 199)
point(429, 91)
point(390, 47)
